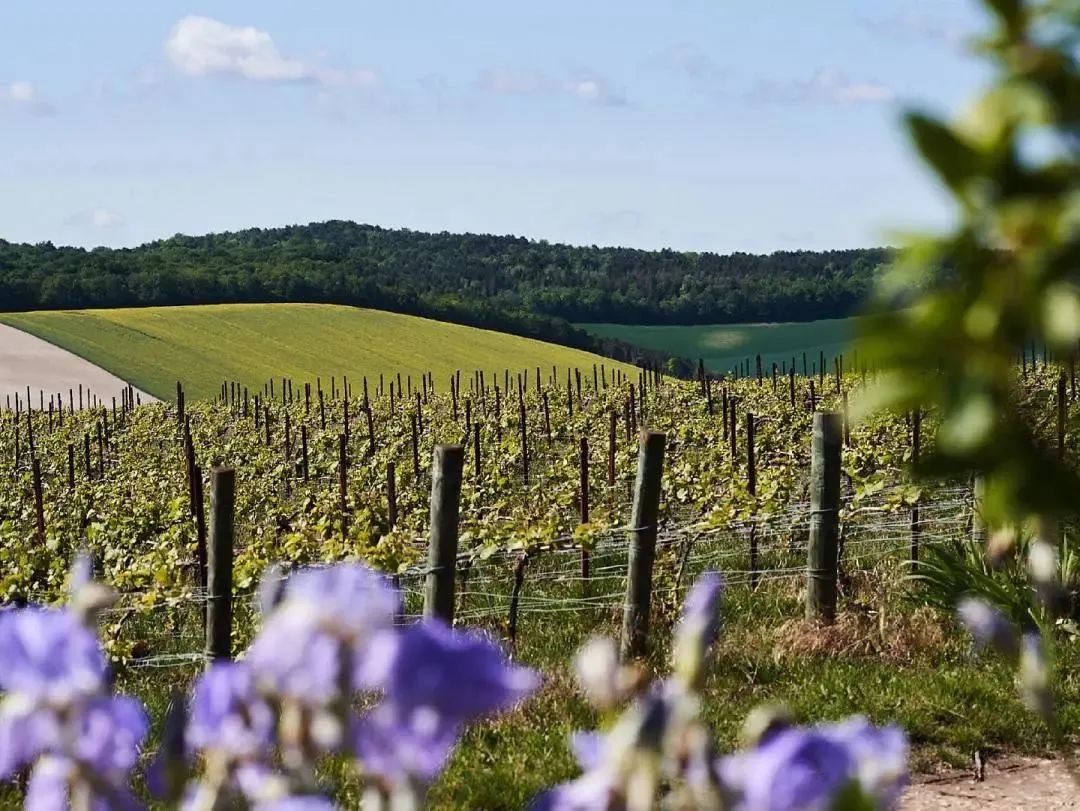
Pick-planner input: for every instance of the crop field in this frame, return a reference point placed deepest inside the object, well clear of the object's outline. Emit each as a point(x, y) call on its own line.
point(153, 347)
point(541, 561)
point(723, 346)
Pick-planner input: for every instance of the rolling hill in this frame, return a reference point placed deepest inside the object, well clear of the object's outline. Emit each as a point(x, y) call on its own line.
point(723, 346)
point(153, 347)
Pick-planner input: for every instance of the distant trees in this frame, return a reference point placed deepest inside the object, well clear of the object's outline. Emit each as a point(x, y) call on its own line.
point(508, 283)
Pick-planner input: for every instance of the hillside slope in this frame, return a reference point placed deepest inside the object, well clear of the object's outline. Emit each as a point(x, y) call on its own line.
point(531, 288)
point(154, 347)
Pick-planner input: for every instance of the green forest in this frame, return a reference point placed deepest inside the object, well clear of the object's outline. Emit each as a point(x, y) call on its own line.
point(527, 287)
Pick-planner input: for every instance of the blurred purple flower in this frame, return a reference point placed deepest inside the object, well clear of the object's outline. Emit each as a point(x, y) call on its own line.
point(593, 791)
point(404, 745)
point(880, 755)
point(588, 749)
point(461, 675)
point(701, 609)
point(228, 715)
point(48, 656)
point(348, 597)
point(806, 768)
point(25, 732)
point(988, 626)
point(50, 785)
point(293, 657)
point(310, 803)
point(110, 734)
point(797, 770)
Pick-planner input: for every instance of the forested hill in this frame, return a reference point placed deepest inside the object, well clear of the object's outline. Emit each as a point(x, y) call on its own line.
point(528, 287)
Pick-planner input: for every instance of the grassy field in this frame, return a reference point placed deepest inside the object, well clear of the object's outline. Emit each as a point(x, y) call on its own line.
point(722, 346)
point(154, 347)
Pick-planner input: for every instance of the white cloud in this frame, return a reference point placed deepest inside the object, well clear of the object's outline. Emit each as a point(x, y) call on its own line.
point(21, 92)
point(101, 219)
point(584, 86)
point(22, 95)
point(201, 46)
point(826, 85)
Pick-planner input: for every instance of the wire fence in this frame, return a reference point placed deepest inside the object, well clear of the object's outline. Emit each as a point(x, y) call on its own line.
point(514, 592)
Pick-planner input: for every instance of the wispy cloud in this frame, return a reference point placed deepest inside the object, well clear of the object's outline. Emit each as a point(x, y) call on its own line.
point(23, 95)
point(101, 219)
point(917, 23)
point(201, 46)
point(689, 59)
point(826, 85)
point(585, 86)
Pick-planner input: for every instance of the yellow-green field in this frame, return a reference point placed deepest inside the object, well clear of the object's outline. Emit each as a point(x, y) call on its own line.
point(202, 346)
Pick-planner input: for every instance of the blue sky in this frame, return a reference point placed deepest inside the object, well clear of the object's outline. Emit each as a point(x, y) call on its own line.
point(694, 124)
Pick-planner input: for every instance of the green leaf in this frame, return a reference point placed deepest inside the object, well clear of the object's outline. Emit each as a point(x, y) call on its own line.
point(955, 161)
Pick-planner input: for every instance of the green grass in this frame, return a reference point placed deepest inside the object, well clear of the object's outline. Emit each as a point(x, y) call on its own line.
point(202, 346)
point(722, 346)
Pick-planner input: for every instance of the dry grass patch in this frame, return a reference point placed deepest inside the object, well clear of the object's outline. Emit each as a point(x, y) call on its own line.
point(893, 637)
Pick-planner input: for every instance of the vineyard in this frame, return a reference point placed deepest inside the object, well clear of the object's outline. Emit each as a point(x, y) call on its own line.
point(328, 470)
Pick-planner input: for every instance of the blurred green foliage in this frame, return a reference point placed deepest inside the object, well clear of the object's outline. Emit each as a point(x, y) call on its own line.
point(953, 313)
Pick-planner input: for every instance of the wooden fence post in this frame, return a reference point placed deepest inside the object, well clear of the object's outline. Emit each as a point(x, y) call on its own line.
point(446, 471)
point(220, 564)
point(1061, 414)
point(643, 526)
point(200, 525)
point(751, 489)
point(39, 500)
point(823, 549)
point(916, 449)
point(391, 494)
point(343, 483)
point(583, 496)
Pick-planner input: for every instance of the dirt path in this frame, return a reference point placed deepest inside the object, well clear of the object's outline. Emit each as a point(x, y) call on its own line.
point(1016, 783)
point(29, 361)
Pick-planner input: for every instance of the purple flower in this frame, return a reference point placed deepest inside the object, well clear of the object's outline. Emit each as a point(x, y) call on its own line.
point(25, 732)
point(50, 788)
point(588, 748)
point(310, 803)
point(806, 768)
point(461, 675)
point(110, 734)
point(348, 598)
point(701, 609)
point(593, 791)
point(988, 626)
point(292, 656)
point(797, 770)
point(880, 755)
point(404, 745)
point(48, 656)
point(228, 715)
point(698, 628)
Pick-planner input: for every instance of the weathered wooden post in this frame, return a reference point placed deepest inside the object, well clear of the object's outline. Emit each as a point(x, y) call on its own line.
point(823, 549)
point(1061, 414)
point(916, 449)
point(343, 483)
point(220, 564)
point(613, 424)
point(446, 471)
point(199, 507)
point(39, 500)
point(643, 527)
point(583, 498)
point(391, 494)
point(751, 489)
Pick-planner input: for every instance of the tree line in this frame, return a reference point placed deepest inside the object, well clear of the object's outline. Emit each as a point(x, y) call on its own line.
point(527, 287)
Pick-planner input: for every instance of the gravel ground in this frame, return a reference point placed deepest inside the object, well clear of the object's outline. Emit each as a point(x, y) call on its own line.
point(29, 361)
point(1016, 783)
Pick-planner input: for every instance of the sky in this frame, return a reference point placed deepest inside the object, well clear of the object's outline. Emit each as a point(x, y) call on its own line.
point(722, 125)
